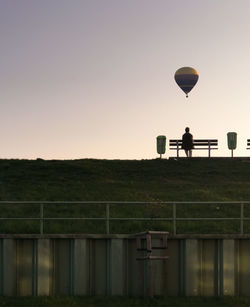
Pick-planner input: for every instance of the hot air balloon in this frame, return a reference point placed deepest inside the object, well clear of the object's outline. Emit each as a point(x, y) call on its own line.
point(186, 78)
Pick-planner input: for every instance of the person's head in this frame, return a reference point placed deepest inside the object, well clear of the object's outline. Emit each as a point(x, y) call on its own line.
point(187, 129)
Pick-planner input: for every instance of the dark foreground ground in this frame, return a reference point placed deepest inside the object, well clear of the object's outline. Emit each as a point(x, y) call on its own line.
point(125, 302)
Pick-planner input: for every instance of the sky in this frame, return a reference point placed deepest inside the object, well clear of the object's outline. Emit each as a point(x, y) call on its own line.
point(95, 78)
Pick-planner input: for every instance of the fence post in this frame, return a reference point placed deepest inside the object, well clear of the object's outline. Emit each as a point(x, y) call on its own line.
point(107, 219)
point(174, 218)
point(242, 218)
point(41, 219)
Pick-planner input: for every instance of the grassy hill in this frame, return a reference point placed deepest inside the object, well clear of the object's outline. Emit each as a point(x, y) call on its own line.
point(197, 179)
point(144, 180)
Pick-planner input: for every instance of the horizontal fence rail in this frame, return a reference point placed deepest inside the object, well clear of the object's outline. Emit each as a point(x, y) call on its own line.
point(231, 211)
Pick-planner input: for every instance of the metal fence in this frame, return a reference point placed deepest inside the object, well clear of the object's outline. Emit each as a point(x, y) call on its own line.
point(107, 217)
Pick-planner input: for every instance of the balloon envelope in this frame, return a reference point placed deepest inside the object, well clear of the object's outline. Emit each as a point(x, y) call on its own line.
point(186, 78)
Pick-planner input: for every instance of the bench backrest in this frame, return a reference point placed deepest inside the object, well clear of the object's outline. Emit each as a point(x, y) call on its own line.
point(248, 142)
point(201, 142)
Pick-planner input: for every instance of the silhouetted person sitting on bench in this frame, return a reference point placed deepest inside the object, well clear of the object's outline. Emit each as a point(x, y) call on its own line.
point(187, 143)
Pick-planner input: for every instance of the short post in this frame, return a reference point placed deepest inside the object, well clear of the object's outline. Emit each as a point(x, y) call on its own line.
point(242, 218)
point(209, 148)
point(174, 219)
point(107, 218)
point(177, 149)
point(41, 219)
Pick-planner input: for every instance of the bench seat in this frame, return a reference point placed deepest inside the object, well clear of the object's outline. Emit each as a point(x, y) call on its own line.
point(248, 143)
point(199, 144)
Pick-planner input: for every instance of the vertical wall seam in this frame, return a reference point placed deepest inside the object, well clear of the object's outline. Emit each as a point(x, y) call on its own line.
point(2, 264)
point(17, 245)
point(182, 273)
point(108, 266)
point(53, 267)
point(184, 267)
point(216, 268)
point(126, 263)
point(201, 268)
point(87, 267)
point(91, 267)
point(180, 270)
point(34, 268)
point(221, 267)
point(237, 266)
point(71, 266)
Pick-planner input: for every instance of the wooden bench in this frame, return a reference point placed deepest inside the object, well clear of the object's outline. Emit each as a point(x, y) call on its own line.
point(208, 144)
point(248, 143)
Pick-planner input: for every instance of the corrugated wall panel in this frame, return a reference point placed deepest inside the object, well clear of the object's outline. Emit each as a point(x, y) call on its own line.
point(229, 267)
point(81, 268)
point(44, 267)
point(101, 271)
point(117, 267)
point(159, 272)
point(108, 266)
point(26, 261)
point(193, 268)
point(244, 267)
point(133, 283)
point(208, 268)
point(173, 268)
point(62, 267)
point(9, 267)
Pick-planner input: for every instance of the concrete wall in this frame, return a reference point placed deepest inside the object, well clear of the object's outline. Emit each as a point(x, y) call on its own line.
point(107, 265)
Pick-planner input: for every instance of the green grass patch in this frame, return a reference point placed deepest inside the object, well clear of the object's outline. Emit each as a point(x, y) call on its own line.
point(197, 179)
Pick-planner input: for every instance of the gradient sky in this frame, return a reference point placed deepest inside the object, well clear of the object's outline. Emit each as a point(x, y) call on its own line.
point(95, 78)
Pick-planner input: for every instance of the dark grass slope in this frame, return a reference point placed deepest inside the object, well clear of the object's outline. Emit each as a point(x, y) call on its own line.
point(198, 179)
point(144, 180)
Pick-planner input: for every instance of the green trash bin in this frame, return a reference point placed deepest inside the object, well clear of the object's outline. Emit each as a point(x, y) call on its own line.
point(232, 141)
point(161, 144)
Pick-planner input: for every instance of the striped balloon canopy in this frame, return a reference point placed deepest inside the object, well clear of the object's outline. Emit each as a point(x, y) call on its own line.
point(186, 78)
